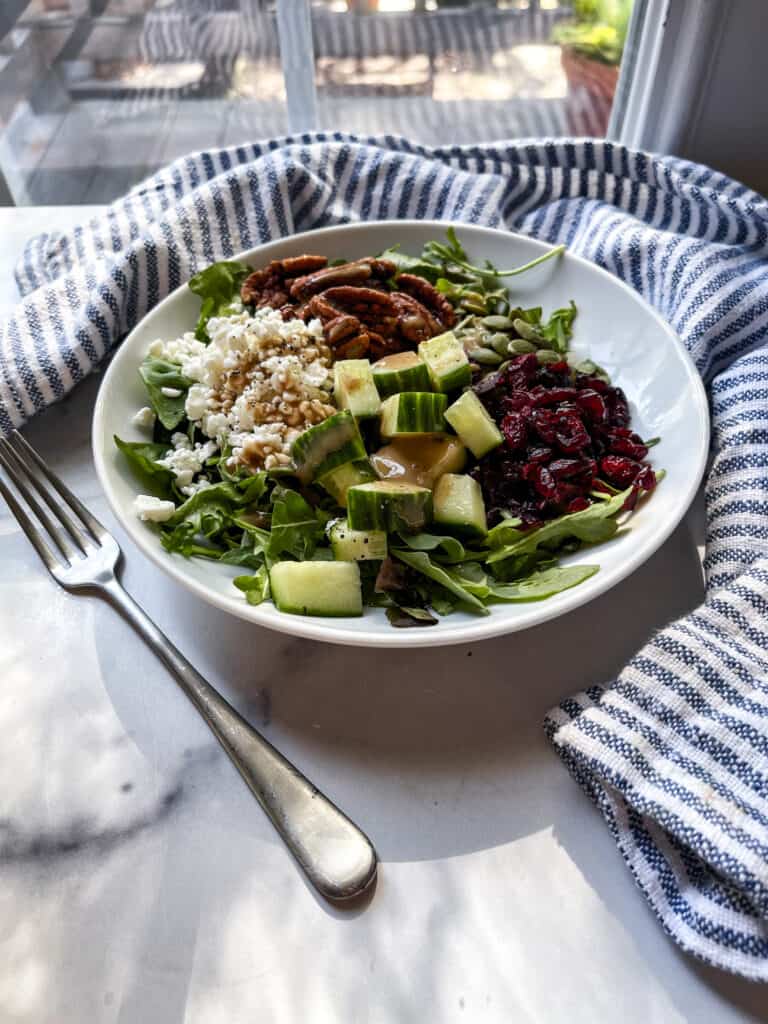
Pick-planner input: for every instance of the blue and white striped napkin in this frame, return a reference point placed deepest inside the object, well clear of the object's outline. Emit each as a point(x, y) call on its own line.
point(674, 752)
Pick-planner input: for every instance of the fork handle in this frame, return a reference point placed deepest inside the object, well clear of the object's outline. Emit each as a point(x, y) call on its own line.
point(335, 855)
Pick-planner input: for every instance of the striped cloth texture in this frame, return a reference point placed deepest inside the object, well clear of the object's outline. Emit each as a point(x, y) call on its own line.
point(675, 751)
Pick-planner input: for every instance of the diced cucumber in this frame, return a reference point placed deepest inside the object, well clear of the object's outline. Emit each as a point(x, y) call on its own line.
point(329, 444)
point(413, 412)
point(339, 480)
point(447, 362)
point(420, 458)
point(403, 371)
point(389, 505)
point(472, 423)
point(316, 588)
point(459, 506)
point(354, 389)
point(350, 545)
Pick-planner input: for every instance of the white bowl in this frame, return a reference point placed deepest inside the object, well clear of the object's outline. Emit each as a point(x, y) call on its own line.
point(614, 326)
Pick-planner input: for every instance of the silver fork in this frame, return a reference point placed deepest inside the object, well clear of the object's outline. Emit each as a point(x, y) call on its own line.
point(82, 557)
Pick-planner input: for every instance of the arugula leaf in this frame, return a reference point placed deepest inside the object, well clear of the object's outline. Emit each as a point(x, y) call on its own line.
point(256, 587)
point(559, 328)
point(506, 532)
point(422, 563)
point(143, 458)
point(543, 583)
point(295, 529)
point(218, 286)
point(590, 526)
point(211, 513)
point(158, 374)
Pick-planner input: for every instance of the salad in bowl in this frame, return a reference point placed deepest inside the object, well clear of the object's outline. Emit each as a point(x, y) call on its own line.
point(393, 431)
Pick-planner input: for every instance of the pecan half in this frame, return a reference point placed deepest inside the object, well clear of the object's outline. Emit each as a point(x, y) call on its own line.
point(428, 296)
point(358, 272)
point(270, 285)
point(374, 308)
point(415, 323)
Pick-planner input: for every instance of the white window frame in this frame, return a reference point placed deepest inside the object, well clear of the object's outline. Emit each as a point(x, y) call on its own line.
point(668, 61)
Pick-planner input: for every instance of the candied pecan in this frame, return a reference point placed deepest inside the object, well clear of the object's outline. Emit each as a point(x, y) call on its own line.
point(381, 347)
point(296, 266)
point(318, 307)
point(374, 308)
point(341, 328)
point(415, 323)
point(356, 272)
point(270, 285)
point(265, 287)
point(428, 296)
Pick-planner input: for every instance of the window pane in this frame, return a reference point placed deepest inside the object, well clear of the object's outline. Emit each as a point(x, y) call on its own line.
point(451, 71)
point(96, 94)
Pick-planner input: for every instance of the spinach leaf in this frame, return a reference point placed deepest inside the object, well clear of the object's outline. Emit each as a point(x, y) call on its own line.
point(412, 264)
point(450, 549)
point(295, 529)
point(218, 286)
point(256, 587)
point(402, 617)
point(590, 526)
point(543, 583)
point(143, 458)
point(422, 563)
point(559, 328)
point(158, 374)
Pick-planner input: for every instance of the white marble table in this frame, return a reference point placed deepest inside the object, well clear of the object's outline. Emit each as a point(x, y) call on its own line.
point(140, 882)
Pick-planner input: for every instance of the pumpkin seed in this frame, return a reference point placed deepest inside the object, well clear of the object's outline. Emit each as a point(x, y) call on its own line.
point(521, 347)
point(497, 323)
point(485, 356)
point(500, 343)
point(525, 330)
point(547, 355)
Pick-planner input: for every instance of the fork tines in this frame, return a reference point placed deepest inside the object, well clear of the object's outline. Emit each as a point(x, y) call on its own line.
point(43, 493)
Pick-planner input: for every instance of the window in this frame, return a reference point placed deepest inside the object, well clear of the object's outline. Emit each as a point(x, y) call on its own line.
point(96, 94)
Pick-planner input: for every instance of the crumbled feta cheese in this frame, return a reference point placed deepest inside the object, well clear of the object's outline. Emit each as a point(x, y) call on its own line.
point(144, 418)
point(153, 510)
point(197, 401)
point(185, 461)
point(170, 392)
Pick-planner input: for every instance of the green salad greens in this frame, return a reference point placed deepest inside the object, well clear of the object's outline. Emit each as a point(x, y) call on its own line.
point(452, 472)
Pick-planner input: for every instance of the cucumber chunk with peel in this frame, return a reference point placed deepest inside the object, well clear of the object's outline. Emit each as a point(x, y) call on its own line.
point(350, 545)
point(327, 445)
point(459, 506)
point(447, 362)
point(339, 480)
point(354, 388)
point(413, 412)
point(390, 506)
point(471, 421)
point(317, 588)
point(402, 371)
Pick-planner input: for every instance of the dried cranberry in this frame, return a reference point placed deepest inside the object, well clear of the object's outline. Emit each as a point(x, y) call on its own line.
point(561, 469)
point(646, 479)
point(538, 454)
point(592, 405)
point(544, 483)
point(571, 434)
point(619, 470)
point(514, 430)
point(592, 383)
point(633, 449)
point(577, 505)
point(545, 425)
point(517, 400)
